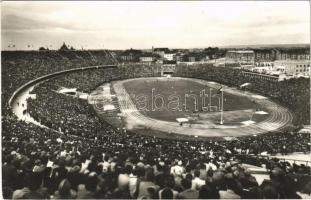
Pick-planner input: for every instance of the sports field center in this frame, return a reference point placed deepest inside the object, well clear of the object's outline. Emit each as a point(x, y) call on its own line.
point(179, 107)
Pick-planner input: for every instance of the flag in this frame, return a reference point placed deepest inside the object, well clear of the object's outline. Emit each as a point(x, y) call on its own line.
point(220, 90)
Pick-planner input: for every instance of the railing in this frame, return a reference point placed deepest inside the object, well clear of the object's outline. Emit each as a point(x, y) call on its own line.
point(261, 76)
point(307, 163)
point(258, 158)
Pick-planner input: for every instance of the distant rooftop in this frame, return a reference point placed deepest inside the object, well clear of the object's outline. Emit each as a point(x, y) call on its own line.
point(161, 49)
point(147, 54)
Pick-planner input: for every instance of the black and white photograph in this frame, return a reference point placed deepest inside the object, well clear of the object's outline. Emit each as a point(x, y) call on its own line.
point(155, 100)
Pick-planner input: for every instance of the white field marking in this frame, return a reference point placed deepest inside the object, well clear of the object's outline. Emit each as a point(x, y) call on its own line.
point(109, 107)
point(261, 112)
point(182, 120)
point(64, 90)
point(83, 96)
point(248, 122)
point(211, 82)
point(258, 96)
point(104, 96)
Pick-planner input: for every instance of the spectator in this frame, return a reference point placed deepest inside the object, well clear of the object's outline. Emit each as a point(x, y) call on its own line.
point(33, 188)
point(208, 192)
point(197, 182)
point(187, 192)
point(230, 192)
point(87, 190)
point(145, 184)
point(64, 191)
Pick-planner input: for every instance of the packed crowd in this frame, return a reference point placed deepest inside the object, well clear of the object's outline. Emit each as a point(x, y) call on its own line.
point(83, 157)
point(41, 163)
point(74, 115)
point(19, 67)
point(293, 93)
point(139, 70)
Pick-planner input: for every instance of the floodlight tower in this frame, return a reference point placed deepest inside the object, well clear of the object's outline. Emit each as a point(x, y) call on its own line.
point(222, 107)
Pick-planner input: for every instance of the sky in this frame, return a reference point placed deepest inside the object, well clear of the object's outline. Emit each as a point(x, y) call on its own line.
point(143, 24)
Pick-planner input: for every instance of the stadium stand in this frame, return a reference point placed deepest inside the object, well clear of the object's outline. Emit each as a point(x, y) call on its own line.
point(81, 156)
point(293, 93)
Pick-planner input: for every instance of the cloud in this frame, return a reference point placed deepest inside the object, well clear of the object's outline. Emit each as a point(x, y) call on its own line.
point(274, 21)
point(143, 24)
point(14, 22)
point(19, 23)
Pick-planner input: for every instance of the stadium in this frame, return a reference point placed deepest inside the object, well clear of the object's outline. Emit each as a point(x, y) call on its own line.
point(155, 100)
point(77, 104)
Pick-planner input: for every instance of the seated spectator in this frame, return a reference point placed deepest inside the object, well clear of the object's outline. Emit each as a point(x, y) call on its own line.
point(169, 184)
point(32, 189)
point(64, 191)
point(166, 193)
point(87, 190)
point(133, 182)
point(253, 193)
point(247, 180)
point(208, 192)
point(161, 173)
point(177, 170)
point(230, 192)
point(123, 179)
point(270, 192)
point(197, 182)
point(102, 191)
point(290, 188)
point(187, 192)
point(145, 184)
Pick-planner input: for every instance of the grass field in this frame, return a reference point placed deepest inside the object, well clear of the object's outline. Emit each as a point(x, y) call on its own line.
point(165, 99)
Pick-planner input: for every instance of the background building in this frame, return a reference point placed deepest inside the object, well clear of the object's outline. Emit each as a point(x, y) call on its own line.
point(160, 51)
point(148, 57)
point(169, 55)
point(264, 55)
point(293, 54)
point(294, 67)
point(241, 56)
point(130, 55)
